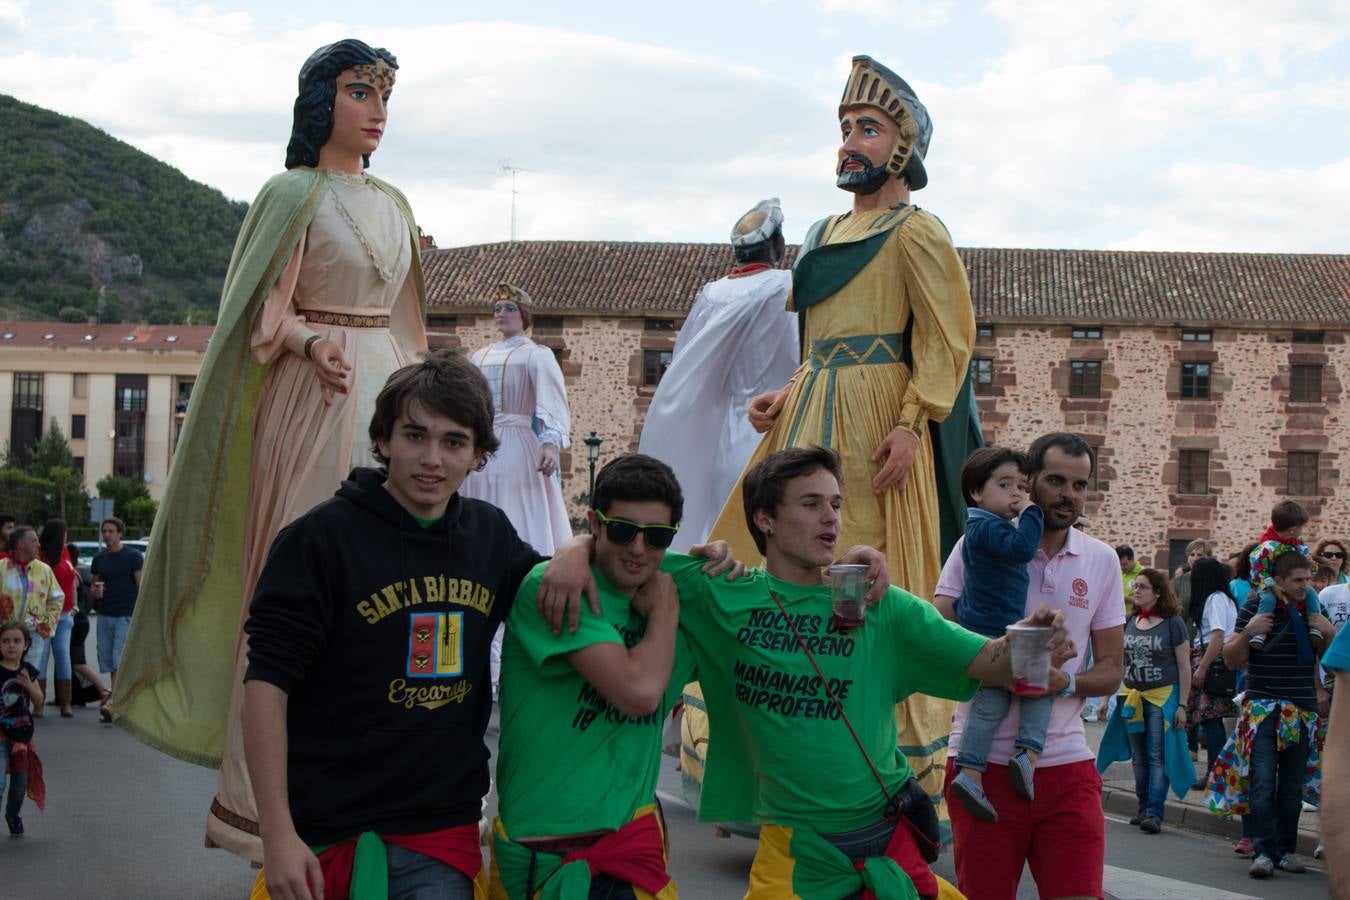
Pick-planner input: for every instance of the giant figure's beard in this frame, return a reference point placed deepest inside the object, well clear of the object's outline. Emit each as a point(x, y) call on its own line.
point(868, 180)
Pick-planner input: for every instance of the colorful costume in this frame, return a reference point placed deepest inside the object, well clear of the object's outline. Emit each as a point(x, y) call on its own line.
point(558, 730)
point(320, 252)
point(888, 328)
point(736, 343)
point(1231, 778)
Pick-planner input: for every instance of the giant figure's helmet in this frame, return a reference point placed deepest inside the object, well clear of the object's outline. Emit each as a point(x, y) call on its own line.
point(872, 84)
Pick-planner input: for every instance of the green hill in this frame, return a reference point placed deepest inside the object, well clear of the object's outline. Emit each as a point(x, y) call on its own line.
point(89, 226)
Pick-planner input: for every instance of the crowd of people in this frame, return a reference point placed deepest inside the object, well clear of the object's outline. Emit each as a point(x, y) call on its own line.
point(1246, 684)
point(352, 520)
point(44, 608)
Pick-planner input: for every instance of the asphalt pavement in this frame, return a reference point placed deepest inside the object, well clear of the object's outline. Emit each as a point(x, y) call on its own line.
point(124, 821)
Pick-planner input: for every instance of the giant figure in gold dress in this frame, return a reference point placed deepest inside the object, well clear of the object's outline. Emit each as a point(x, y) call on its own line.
point(887, 329)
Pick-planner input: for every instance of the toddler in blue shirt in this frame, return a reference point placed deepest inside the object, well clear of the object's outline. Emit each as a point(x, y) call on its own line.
point(996, 552)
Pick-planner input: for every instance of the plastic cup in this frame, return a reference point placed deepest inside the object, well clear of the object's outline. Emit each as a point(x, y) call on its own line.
point(1030, 658)
point(848, 585)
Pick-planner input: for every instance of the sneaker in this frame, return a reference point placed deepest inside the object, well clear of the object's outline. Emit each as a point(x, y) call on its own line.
point(1245, 848)
point(1137, 818)
point(1309, 807)
point(1150, 825)
point(1261, 867)
point(15, 824)
point(1289, 863)
point(972, 797)
point(1257, 642)
point(1319, 852)
point(1022, 774)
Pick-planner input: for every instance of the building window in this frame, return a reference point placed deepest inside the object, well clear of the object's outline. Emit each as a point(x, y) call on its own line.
point(28, 391)
point(79, 464)
point(1198, 337)
point(1308, 337)
point(180, 402)
point(982, 374)
point(654, 365)
point(548, 323)
point(984, 331)
point(1085, 378)
point(25, 419)
point(1302, 473)
point(77, 428)
point(1087, 334)
point(1195, 381)
point(666, 325)
point(1305, 384)
point(129, 425)
point(79, 386)
point(441, 320)
point(1193, 477)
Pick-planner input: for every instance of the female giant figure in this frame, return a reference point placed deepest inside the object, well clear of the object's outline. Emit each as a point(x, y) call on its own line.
point(322, 301)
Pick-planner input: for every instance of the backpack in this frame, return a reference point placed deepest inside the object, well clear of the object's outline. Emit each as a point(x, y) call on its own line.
point(16, 711)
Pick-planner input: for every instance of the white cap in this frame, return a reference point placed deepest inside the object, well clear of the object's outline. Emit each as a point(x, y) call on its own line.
point(758, 224)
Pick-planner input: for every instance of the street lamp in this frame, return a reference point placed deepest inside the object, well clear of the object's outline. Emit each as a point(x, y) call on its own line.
point(592, 453)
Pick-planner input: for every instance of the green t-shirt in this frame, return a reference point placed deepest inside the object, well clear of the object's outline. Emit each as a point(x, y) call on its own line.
point(569, 761)
point(777, 750)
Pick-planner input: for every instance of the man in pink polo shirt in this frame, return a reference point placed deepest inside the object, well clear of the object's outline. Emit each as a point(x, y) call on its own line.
point(1061, 832)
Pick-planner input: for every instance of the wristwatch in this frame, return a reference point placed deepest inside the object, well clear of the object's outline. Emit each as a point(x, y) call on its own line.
point(1069, 688)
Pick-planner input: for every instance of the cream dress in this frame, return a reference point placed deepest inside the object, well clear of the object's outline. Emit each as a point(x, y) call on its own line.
point(347, 281)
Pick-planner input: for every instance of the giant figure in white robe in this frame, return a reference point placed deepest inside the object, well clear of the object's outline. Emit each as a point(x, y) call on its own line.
point(738, 341)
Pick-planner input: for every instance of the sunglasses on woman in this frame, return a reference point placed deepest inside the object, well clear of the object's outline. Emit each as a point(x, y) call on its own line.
point(622, 532)
point(1332, 554)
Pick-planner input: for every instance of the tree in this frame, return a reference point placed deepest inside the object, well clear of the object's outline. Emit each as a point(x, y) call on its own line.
point(121, 491)
point(140, 513)
point(50, 452)
point(69, 485)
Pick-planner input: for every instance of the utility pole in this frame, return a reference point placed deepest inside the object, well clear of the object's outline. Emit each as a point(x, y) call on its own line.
point(512, 170)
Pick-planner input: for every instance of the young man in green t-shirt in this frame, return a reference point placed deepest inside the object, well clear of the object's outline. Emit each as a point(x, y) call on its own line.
point(782, 751)
point(581, 712)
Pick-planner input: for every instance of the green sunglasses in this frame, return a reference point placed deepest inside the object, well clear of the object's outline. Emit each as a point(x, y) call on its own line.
point(622, 531)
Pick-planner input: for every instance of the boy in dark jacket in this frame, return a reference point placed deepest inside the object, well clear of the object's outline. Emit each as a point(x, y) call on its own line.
point(367, 690)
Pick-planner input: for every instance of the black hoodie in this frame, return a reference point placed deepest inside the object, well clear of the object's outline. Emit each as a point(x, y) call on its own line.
point(379, 632)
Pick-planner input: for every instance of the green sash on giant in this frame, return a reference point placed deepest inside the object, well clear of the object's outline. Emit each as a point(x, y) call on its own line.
point(819, 273)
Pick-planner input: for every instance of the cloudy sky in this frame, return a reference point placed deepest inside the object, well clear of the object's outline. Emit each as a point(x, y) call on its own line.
point(1133, 124)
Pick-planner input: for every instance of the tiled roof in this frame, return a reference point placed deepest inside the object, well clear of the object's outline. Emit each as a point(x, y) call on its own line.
point(1006, 284)
point(104, 337)
point(1106, 285)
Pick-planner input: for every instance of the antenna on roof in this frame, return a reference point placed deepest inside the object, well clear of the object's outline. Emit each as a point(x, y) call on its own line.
point(512, 170)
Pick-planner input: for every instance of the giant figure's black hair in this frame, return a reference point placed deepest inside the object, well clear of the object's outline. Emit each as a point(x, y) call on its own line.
point(313, 118)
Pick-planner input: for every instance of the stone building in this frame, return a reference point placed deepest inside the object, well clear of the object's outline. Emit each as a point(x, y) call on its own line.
point(1210, 383)
point(118, 392)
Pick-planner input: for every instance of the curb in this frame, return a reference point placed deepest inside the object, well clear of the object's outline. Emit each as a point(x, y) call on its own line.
point(1194, 818)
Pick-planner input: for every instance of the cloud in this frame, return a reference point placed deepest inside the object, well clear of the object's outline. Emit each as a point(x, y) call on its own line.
point(1238, 34)
point(1247, 207)
point(914, 13)
point(1061, 137)
point(13, 22)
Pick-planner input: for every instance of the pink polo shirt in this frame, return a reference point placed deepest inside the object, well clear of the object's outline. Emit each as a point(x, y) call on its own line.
point(1083, 580)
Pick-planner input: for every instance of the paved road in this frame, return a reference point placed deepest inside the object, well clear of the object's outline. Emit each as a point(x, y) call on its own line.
point(126, 822)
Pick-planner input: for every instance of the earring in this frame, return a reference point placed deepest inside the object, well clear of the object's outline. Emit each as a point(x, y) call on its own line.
point(770, 530)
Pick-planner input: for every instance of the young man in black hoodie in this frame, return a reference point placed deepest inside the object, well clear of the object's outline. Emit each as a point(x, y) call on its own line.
point(367, 690)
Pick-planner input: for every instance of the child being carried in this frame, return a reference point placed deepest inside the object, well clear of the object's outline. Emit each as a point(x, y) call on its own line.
point(996, 552)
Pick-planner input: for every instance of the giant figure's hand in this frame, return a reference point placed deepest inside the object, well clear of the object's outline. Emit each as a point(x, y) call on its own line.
point(764, 409)
point(897, 452)
point(333, 367)
point(548, 459)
